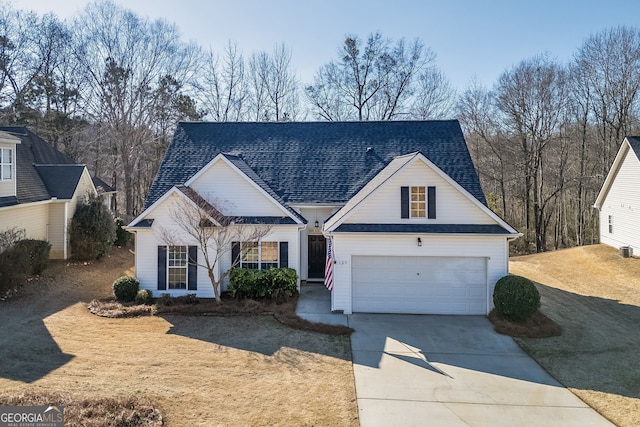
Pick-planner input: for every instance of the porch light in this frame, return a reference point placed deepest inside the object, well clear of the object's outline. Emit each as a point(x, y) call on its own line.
point(419, 241)
point(317, 224)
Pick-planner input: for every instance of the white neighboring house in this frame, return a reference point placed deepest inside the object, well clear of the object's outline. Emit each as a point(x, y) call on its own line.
point(400, 202)
point(618, 202)
point(39, 188)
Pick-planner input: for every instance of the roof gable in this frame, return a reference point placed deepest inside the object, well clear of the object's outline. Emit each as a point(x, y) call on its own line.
point(61, 181)
point(244, 194)
point(630, 146)
point(316, 162)
point(378, 201)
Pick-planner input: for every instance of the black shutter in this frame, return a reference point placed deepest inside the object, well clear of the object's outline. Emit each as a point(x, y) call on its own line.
point(431, 202)
point(404, 202)
point(162, 268)
point(284, 254)
point(235, 254)
point(192, 269)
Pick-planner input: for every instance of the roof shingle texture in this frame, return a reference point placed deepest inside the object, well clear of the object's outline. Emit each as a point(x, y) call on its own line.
point(33, 150)
point(316, 162)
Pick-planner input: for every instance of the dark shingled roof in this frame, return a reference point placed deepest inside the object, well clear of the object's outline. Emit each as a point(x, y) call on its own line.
point(61, 180)
point(315, 162)
point(423, 228)
point(42, 172)
point(634, 142)
point(31, 151)
point(101, 186)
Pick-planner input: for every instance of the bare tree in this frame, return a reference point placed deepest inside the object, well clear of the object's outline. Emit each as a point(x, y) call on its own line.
point(435, 96)
point(274, 87)
point(532, 98)
point(125, 58)
point(213, 232)
point(370, 82)
point(609, 69)
point(224, 92)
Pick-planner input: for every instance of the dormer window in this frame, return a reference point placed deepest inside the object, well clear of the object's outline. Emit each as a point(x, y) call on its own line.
point(6, 164)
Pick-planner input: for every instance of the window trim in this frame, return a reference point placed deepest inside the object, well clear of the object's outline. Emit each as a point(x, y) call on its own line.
point(11, 164)
point(185, 268)
point(418, 206)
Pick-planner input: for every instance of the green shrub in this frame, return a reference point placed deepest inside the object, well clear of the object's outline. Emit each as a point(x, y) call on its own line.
point(92, 230)
point(126, 288)
point(36, 252)
point(143, 296)
point(516, 298)
point(14, 268)
point(274, 283)
point(20, 259)
point(122, 235)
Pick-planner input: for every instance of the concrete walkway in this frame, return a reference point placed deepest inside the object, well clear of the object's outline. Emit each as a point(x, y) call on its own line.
point(417, 370)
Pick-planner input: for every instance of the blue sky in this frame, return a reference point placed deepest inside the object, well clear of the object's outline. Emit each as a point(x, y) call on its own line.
point(479, 38)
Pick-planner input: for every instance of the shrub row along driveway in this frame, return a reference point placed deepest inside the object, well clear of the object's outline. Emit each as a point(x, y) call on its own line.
point(201, 371)
point(595, 297)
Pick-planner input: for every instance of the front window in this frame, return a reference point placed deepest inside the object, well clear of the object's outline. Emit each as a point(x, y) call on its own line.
point(177, 269)
point(259, 256)
point(610, 224)
point(6, 164)
point(418, 202)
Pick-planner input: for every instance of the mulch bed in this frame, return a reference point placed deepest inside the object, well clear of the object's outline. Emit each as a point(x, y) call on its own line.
point(537, 326)
point(283, 311)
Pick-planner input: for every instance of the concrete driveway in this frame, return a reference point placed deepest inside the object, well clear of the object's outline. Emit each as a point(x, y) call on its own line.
point(413, 370)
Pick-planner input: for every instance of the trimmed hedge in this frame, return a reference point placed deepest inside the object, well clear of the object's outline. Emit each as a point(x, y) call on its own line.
point(125, 288)
point(516, 298)
point(274, 283)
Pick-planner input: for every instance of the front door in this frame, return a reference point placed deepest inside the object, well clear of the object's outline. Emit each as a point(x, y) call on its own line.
point(317, 256)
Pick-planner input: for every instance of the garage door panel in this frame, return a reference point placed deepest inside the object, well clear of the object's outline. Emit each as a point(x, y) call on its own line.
point(436, 285)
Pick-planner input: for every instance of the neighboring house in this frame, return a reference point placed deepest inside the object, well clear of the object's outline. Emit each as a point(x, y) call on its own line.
point(618, 202)
point(107, 192)
point(39, 188)
point(400, 201)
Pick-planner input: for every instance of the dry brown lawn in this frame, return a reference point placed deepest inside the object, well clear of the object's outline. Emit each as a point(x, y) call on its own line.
point(200, 371)
point(594, 295)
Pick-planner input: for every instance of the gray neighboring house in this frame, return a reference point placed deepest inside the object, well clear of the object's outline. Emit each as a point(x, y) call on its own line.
point(399, 202)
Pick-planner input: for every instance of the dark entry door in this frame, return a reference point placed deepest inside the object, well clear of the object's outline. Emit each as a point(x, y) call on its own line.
point(317, 254)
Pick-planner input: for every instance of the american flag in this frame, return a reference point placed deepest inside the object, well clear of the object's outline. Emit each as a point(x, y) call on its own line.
point(328, 268)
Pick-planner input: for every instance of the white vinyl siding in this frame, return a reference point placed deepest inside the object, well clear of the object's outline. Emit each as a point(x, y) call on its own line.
point(148, 240)
point(347, 246)
point(383, 205)
point(620, 212)
point(32, 217)
point(237, 194)
point(58, 235)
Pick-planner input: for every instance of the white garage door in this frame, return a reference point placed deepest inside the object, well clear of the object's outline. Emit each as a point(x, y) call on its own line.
point(419, 285)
